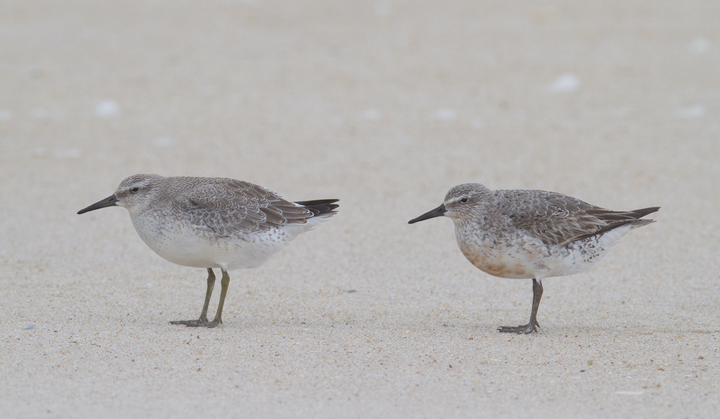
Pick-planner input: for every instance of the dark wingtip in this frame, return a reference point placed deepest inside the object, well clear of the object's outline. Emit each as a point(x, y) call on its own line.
point(320, 206)
point(643, 212)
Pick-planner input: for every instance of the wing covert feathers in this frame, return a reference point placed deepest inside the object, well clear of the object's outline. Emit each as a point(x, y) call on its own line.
point(229, 207)
point(558, 219)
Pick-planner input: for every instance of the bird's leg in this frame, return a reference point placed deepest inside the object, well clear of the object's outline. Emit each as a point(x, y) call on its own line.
point(533, 324)
point(203, 320)
point(225, 282)
point(537, 295)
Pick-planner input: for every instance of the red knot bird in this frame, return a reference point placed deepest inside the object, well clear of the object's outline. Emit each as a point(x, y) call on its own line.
point(532, 234)
point(213, 223)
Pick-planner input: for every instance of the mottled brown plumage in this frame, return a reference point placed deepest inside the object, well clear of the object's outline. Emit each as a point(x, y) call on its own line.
point(558, 219)
point(532, 234)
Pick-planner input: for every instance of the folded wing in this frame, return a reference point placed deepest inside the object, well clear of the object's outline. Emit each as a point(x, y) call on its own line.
point(558, 219)
point(228, 207)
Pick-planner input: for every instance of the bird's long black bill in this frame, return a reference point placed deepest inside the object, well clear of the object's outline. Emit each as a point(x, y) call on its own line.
point(437, 212)
point(107, 202)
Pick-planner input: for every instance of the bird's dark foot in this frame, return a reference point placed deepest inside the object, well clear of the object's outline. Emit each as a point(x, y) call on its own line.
point(520, 330)
point(197, 323)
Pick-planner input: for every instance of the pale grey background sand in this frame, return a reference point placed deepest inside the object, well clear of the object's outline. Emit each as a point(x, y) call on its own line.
point(384, 105)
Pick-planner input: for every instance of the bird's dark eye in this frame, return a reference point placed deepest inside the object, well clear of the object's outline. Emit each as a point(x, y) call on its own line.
point(134, 190)
point(463, 200)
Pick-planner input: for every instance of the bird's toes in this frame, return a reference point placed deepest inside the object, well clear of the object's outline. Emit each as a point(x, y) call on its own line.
point(193, 323)
point(520, 330)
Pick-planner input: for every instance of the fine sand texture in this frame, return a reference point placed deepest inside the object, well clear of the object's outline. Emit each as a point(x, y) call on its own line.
point(384, 105)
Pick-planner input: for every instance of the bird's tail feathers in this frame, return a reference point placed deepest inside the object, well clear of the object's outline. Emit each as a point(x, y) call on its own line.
point(639, 223)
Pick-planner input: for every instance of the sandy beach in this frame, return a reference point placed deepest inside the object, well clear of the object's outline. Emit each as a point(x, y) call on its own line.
point(384, 105)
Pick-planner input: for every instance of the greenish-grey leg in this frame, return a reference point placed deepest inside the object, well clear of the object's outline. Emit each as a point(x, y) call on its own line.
point(203, 320)
point(208, 294)
point(224, 282)
point(533, 323)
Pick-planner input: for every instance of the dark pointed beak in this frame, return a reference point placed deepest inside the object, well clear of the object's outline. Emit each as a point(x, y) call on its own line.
point(107, 202)
point(437, 212)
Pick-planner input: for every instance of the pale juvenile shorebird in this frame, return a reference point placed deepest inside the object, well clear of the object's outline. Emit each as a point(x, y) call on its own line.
point(213, 223)
point(532, 234)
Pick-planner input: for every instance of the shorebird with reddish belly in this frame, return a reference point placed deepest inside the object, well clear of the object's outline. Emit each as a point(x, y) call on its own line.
point(532, 234)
